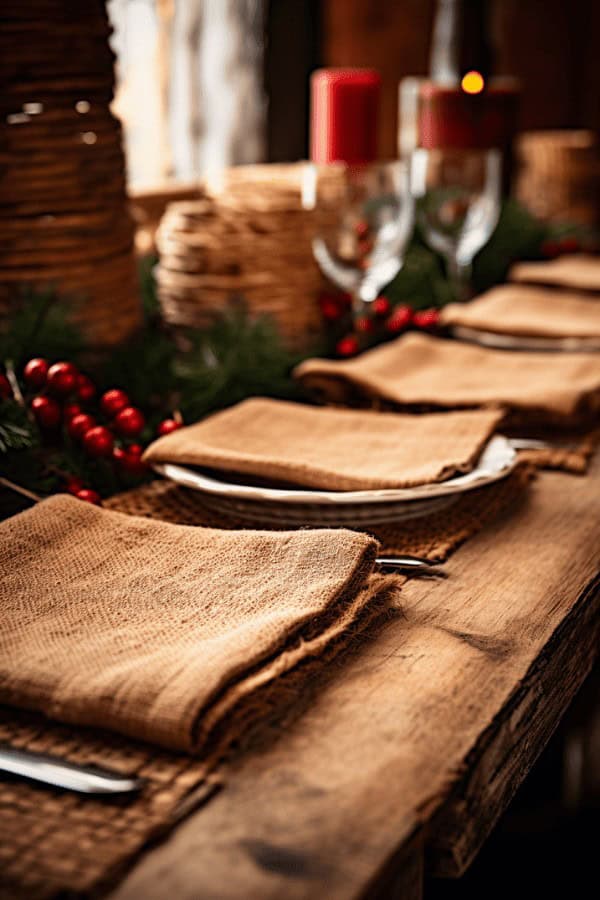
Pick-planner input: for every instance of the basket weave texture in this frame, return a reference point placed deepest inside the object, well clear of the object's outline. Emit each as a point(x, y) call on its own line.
point(64, 218)
point(247, 235)
point(559, 175)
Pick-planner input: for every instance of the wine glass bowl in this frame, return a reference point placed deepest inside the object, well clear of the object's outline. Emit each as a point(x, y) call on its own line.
point(458, 204)
point(363, 221)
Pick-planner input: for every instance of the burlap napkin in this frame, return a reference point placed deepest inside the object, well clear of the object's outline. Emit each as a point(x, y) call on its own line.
point(417, 370)
point(579, 271)
point(334, 449)
point(162, 632)
point(524, 310)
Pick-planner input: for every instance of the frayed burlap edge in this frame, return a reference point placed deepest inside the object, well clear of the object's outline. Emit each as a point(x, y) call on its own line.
point(574, 458)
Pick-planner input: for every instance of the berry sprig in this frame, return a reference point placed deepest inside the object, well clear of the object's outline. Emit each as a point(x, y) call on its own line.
point(553, 247)
point(380, 322)
point(108, 427)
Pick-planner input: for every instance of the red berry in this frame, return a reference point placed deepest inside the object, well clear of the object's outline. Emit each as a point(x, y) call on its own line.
point(135, 450)
point(331, 309)
point(550, 248)
point(62, 378)
point(35, 373)
point(381, 306)
point(361, 228)
point(86, 389)
point(129, 421)
point(169, 425)
point(399, 319)
point(134, 465)
point(98, 441)
point(70, 410)
point(73, 485)
point(5, 388)
point(569, 244)
point(89, 496)
point(365, 245)
point(79, 425)
point(118, 454)
point(112, 402)
point(46, 412)
point(348, 346)
point(364, 325)
point(427, 319)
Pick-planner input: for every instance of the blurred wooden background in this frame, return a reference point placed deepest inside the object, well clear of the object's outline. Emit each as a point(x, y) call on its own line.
point(551, 45)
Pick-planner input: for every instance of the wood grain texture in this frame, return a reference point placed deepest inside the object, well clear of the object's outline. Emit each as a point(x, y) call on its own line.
point(423, 734)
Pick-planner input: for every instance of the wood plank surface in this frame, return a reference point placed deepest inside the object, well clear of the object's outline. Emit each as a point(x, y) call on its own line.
point(422, 735)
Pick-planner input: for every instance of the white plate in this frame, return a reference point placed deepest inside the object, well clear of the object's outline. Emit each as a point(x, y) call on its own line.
point(518, 342)
point(351, 516)
point(296, 506)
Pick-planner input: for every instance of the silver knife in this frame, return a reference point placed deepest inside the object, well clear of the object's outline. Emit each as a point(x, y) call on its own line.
point(406, 562)
point(61, 774)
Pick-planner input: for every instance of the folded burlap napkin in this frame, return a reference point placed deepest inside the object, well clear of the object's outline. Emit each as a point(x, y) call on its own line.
point(334, 449)
point(419, 370)
point(524, 310)
point(163, 632)
point(580, 271)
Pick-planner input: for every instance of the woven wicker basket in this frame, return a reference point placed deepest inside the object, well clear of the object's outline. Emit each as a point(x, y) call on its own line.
point(64, 216)
point(559, 175)
point(247, 236)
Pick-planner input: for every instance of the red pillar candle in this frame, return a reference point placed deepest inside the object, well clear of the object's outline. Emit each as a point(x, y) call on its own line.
point(344, 112)
point(461, 118)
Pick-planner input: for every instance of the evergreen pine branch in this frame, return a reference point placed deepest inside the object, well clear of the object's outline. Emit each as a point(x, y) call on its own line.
point(16, 431)
point(37, 326)
point(235, 358)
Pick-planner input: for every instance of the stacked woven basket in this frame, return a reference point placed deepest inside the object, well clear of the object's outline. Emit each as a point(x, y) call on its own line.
point(246, 236)
point(559, 175)
point(64, 218)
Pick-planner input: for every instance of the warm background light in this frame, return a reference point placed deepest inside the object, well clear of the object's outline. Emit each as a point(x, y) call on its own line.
point(472, 82)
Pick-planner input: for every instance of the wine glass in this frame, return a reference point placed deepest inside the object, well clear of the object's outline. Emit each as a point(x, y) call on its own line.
point(363, 221)
point(458, 193)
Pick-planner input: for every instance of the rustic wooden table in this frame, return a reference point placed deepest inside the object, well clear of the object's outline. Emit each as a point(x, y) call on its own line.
point(411, 750)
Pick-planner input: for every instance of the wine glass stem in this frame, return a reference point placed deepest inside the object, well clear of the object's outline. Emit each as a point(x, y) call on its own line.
point(460, 277)
point(362, 297)
point(358, 306)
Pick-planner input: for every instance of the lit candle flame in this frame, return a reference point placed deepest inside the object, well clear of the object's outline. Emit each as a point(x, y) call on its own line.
point(473, 82)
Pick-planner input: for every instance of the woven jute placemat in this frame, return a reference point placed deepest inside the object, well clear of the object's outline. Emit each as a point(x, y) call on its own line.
point(570, 453)
point(55, 843)
point(435, 536)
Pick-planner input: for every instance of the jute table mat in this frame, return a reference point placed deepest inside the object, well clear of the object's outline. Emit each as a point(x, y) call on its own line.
point(569, 452)
point(419, 371)
point(435, 536)
point(332, 449)
point(527, 311)
point(56, 844)
point(51, 842)
point(579, 271)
